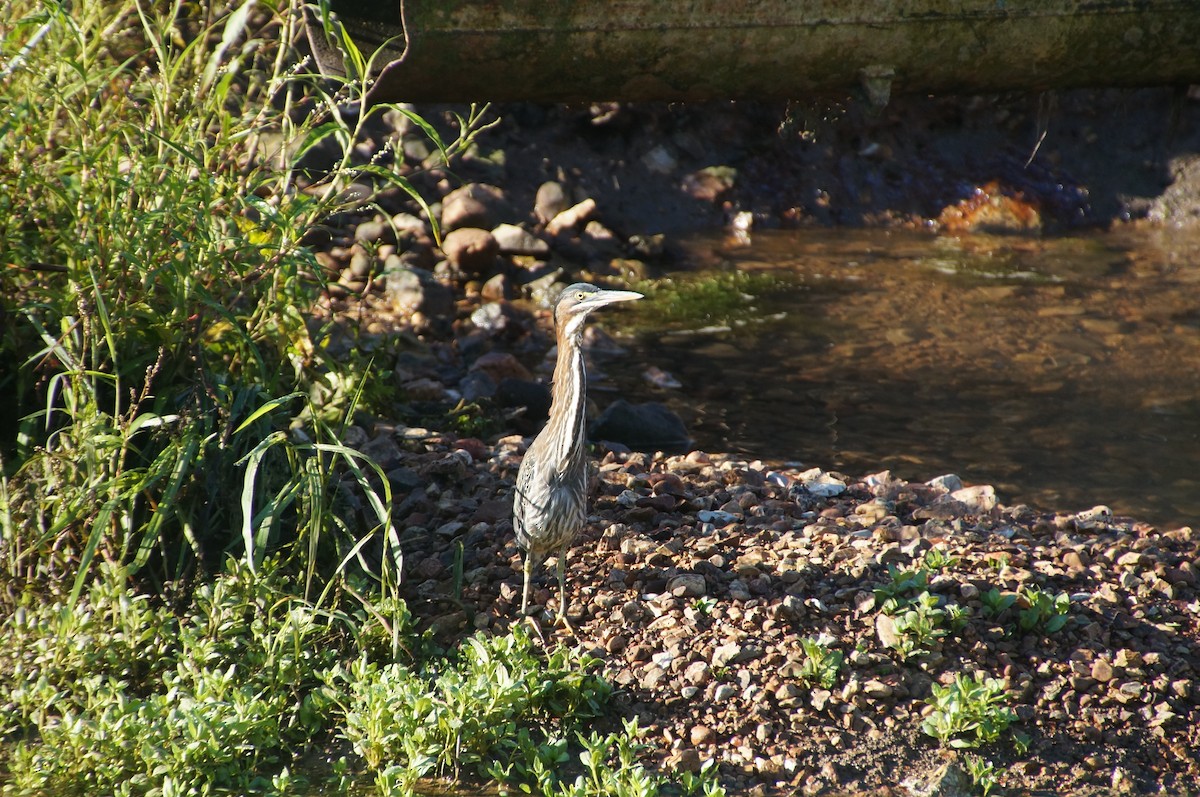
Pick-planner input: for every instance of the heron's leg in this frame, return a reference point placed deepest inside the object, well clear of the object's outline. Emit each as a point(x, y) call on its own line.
point(560, 569)
point(529, 565)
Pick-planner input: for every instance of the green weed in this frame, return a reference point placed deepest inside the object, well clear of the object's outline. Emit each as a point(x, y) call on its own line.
point(920, 627)
point(408, 723)
point(968, 712)
point(982, 773)
point(114, 695)
point(152, 220)
point(821, 665)
point(937, 559)
point(996, 603)
point(900, 589)
point(1042, 611)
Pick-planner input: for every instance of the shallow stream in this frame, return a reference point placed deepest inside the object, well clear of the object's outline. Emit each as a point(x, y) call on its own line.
point(1065, 371)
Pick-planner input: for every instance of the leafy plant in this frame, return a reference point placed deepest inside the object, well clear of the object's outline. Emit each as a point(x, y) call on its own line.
point(1042, 611)
point(919, 627)
point(222, 695)
point(968, 712)
point(409, 723)
point(996, 603)
point(157, 188)
point(610, 768)
point(822, 664)
point(902, 585)
point(936, 558)
point(982, 773)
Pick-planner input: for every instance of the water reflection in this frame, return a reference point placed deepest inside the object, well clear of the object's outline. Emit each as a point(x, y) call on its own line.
point(1065, 371)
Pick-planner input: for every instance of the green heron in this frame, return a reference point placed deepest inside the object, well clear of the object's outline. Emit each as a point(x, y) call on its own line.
point(551, 499)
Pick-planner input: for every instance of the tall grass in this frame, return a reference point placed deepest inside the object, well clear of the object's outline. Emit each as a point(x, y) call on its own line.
point(174, 401)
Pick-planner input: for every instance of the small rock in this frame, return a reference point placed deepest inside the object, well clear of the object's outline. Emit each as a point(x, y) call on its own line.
point(822, 484)
point(659, 160)
point(698, 673)
point(498, 288)
point(949, 482)
point(702, 734)
point(885, 629)
point(375, 231)
point(412, 290)
point(877, 689)
point(979, 500)
point(684, 761)
point(500, 366)
point(789, 695)
point(725, 692)
point(475, 205)
point(711, 184)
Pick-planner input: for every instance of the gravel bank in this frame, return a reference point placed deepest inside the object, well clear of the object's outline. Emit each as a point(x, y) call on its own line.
point(699, 576)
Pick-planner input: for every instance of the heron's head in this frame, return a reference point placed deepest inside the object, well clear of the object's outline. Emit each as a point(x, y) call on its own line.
point(576, 301)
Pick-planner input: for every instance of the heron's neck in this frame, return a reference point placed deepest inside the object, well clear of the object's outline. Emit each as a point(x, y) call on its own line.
point(568, 396)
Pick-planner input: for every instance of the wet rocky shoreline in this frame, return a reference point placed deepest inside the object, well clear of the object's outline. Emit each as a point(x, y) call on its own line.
point(700, 576)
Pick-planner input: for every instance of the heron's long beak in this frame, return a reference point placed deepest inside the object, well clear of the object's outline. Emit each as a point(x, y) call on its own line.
point(606, 297)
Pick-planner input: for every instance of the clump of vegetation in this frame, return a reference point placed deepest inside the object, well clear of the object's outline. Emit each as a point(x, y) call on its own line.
point(609, 764)
point(160, 351)
point(918, 619)
point(116, 695)
point(718, 299)
point(1037, 611)
point(1042, 611)
point(982, 773)
point(969, 711)
point(409, 723)
point(822, 664)
point(902, 587)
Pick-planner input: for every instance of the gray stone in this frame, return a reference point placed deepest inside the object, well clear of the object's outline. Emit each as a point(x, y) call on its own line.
point(475, 205)
point(643, 427)
point(687, 585)
point(411, 290)
point(551, 200)
point(724, 655)
point(374, 230)
point(514, 240)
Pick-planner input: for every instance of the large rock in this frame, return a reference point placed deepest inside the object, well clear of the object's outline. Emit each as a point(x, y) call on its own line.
point(514, 240)
point(412, 289)
point(471, 249)
point(475, 205)
point(551, 200)
point(643, 427)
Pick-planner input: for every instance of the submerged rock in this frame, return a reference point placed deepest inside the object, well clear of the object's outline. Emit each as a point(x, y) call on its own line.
point(643, 427)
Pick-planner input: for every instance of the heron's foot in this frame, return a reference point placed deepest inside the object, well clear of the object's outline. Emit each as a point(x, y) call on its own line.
point(561, 620)
point(534, 626)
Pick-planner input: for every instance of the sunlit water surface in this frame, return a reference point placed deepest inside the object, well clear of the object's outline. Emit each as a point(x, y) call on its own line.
point(1063, 370)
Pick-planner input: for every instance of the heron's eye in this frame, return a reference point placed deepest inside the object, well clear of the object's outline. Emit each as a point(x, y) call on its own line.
point(579, 295)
